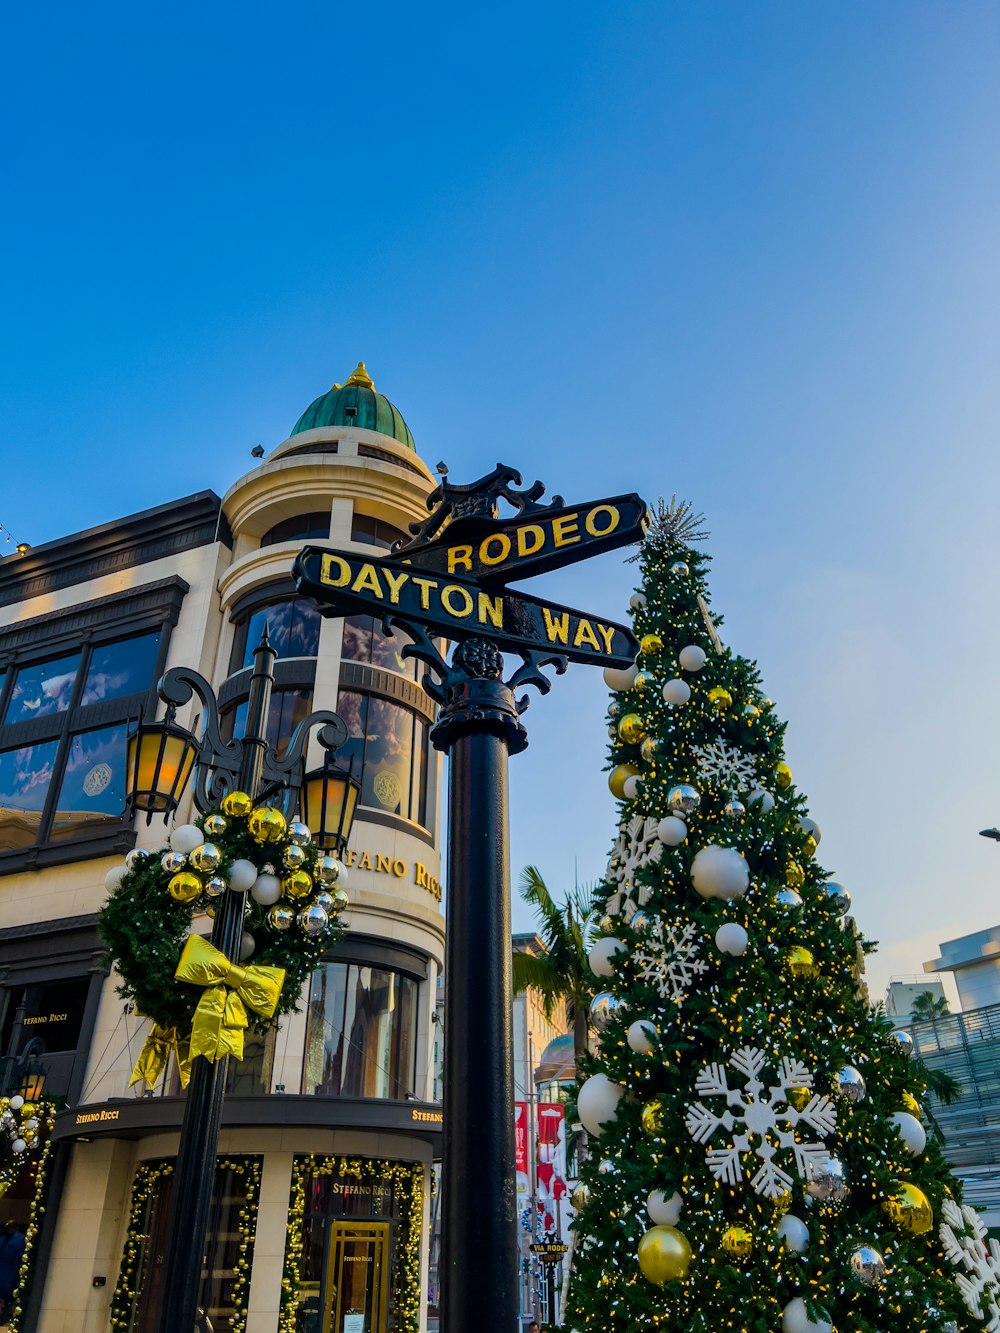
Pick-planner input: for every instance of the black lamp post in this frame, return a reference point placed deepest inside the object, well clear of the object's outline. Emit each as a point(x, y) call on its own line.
point(161, 759)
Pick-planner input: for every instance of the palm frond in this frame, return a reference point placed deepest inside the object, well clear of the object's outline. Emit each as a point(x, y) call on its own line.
point(535, 892)
point(536, 972)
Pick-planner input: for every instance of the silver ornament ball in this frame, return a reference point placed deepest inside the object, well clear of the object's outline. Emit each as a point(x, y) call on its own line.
point(340, 900)
point(640, 921)
point(789, 899)
point(603, 1008)
point(325, 900)
point(215, 886)
point(299, 834)
point(903, 1040)
point(281, 918)
point(850, 1085)
point(868, 1266)
point(215, 824)
point(329, 871)
point(313, 920)
point(683, 799)
point(172, 862)
point(734, 809)
point(293, 857)
point(680, 569)
point(606, 1167)
point(838, 896)
point(828, 1181)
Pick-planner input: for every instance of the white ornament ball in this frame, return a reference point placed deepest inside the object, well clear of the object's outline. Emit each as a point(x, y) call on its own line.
point(114, 877)
point(16, 1102)
point(637, 601)
point(731, 938)
point(692, 658)
point(795, 1319)
point(761, 800)
point(720, 872)
point(619, 680)
point(676, 692)
point(641, 1037)
point(247, 946)
point(630, 787)
point(19, 1145)
point(242, 876)
point(811, 829)
point(602, 954)
point(911, 1131)
point(186, 837)
point(663, 1211)
point(266, 890)
point(671, 831)
point(598, 1102)
point(794, 1232)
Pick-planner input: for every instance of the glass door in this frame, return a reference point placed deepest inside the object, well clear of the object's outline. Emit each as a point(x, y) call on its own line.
point(357, 1278)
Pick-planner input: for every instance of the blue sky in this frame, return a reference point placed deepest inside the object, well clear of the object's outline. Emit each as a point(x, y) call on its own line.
point(742, 251)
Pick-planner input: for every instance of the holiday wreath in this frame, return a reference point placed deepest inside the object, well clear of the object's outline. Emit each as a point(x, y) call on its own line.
point(189, 990)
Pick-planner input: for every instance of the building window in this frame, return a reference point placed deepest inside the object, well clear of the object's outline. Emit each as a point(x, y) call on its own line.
point(361, 1032)
point(62, 742)
point(375, 531)
point(364, 641)
point(299, 528)
point(288, 708)
point(388, 746)
point(292, 630)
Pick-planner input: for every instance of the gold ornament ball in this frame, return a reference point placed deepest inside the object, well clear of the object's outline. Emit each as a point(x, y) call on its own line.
point(720, 697)
point(910, 1209)
point(737, 1242)
point(184, 887)
point(654, 1117)
point(580, 1197)
point(618, 777)
point(650, 645)
point(267, 824)
point(799, 1098)
point(784, 1200)
point(215, 824)
point(293, 857)
point(751, 712)
point(206, 857)
point(800, 962)
point(237, 805)
point(607, 925)
point(783, 774)
point(810, 845)
point(297, 885)
point(795, 876)
point(664, 1255)
point(649, 749)
point(911, 1104)
point(632, 729)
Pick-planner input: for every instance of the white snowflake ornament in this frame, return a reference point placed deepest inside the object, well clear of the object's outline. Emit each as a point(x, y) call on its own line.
point(669, 958)
point(723, 765)
point(965, 1241)
point(755, 1107)
point(637, 847)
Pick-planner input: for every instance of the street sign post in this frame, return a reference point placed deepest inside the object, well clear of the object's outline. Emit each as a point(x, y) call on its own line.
point(449, 583)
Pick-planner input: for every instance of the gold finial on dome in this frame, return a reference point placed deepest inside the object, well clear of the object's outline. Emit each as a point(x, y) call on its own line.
point(361, 378)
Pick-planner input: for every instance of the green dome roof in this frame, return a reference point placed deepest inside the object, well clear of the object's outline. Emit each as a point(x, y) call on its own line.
point(356, 404)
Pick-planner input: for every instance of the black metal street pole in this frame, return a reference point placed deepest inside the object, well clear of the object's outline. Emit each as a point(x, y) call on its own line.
point(194, 1172)
point(478, 727)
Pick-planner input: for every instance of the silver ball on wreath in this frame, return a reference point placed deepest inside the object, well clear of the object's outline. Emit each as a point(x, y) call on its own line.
point(135, 857)
point(206, 857)
point(340, 900)
point(172, 862)
point(325, 900)
point(214, 825)
point(329, 871)
point(903, 1040)
point(281, 918)
point(313, 920)
point(215, 886)
point(640, 921)
point(293, 857)
point(299, 834)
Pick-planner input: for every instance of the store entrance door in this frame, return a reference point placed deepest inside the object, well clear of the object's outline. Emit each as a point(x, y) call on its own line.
point(357, 1278)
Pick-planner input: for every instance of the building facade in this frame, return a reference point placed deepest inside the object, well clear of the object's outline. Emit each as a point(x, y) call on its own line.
point(321, 1209)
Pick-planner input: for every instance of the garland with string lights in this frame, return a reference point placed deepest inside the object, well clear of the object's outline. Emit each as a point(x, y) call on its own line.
point(45, 1112)
point(759, 1153)
point(407, 1181)
point(145, 1185)
point(295, 899)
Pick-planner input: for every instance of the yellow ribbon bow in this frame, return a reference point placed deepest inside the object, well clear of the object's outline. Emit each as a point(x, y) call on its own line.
point(221, 1015)
point(156, 1052)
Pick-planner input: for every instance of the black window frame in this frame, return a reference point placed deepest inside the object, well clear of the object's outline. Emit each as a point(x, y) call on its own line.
point(241, 614)
point(315, 527)
point(150, 609)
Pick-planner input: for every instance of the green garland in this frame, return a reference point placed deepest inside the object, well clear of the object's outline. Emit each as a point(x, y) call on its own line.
point(25, 1274)
point(147, 1177)
point(145, 926)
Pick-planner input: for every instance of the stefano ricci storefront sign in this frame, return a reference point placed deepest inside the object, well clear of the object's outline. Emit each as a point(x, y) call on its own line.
point(414, 872)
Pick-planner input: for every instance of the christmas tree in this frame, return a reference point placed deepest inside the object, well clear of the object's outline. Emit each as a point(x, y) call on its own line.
point(759, 1156)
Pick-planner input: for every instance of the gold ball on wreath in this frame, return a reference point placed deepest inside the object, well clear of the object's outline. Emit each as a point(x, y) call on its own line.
point(618, 776)
point(297, 885)
point(632, 729)
point(910, 1209)
point(800, 962)
point(783, 774)
point(184, 887)
point(237, 805)
point(293, 857)
point(266, 824)
point(720, 697)
point(215, 824)
point(737, 1242)
point(650, 645)
point(664, 1255)
point(653, 1119)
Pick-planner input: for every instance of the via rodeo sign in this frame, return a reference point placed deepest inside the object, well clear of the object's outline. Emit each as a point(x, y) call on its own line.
point(455, 586)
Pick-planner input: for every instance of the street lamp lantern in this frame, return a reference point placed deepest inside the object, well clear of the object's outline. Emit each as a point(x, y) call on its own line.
point(161, 756)
point(327, 803)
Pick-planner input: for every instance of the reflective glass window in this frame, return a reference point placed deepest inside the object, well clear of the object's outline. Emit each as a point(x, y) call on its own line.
point(42, 688)
point(299, 528)
point(292, 631)
point(375, 531)
point(25, 777)
point(92, 791)
point(361, 1032)
point(388, 746)
point(125, 667)
point(288, 708)
point(364, 641)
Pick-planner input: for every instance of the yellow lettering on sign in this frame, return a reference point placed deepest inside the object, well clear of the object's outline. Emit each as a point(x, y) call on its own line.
point(425, 586)
point(613, 515)
point(366, 862)
point(563, 529)
point(395, 582)
point(459, 557)
point(585, 636)
point(556, 627)
point(367, 581)
point(607, 634)
point(502, 549)
point(491, 608)
point(399, 868)
point(382, 864)
point(448, 594)
point(533, 530)
point(335, 571)
point(350, 856)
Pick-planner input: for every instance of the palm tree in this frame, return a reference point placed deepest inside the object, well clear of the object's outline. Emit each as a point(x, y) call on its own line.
point(928, 1008)
point(562, 972)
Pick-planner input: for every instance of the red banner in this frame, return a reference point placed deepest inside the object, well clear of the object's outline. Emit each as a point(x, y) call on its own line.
point(521, 1147)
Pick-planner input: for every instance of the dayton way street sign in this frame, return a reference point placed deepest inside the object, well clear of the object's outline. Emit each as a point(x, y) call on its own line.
point(345, 583)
